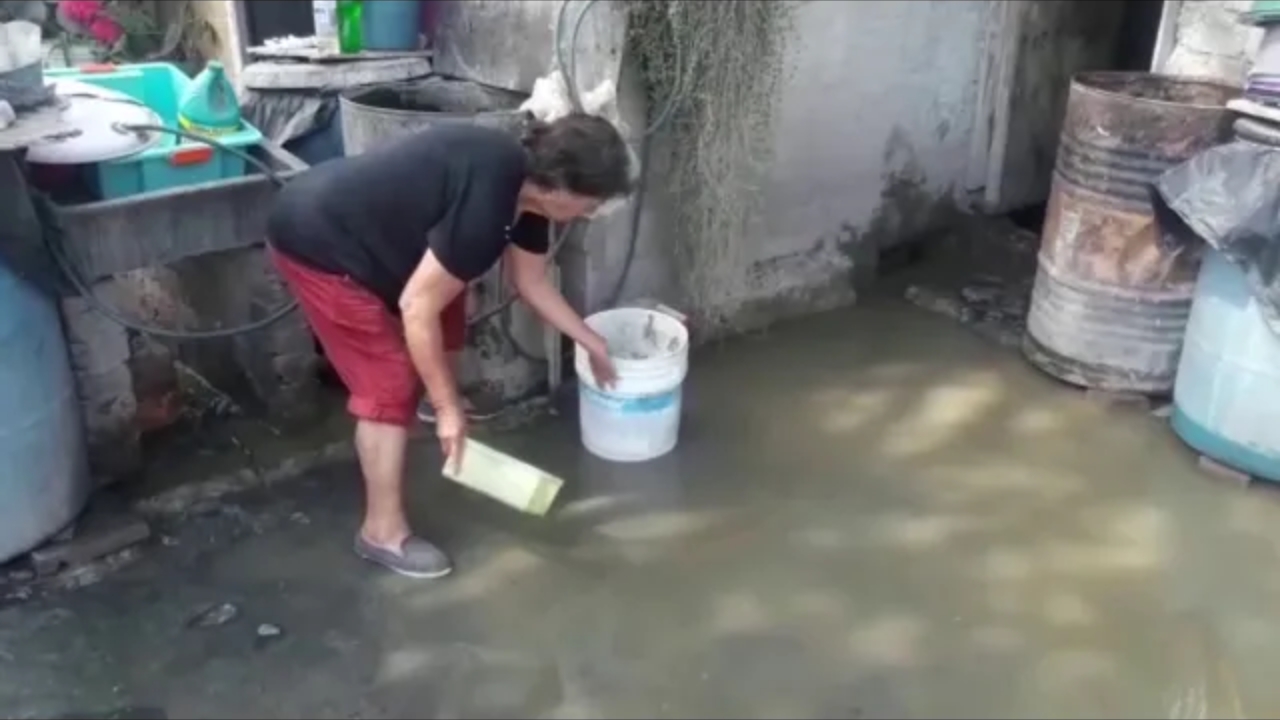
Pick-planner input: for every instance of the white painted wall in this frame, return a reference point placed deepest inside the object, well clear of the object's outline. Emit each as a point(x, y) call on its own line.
point(872, 143)
point(879, 90)
point(226, 45)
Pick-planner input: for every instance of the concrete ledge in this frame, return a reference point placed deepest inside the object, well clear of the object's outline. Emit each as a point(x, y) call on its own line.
point(243, 454)
point(201, 491)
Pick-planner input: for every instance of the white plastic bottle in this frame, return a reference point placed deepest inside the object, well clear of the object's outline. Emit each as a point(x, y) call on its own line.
point(326, 21)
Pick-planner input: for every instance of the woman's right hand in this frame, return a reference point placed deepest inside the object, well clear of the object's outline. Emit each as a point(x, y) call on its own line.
point(451, 428)
point(602, 369)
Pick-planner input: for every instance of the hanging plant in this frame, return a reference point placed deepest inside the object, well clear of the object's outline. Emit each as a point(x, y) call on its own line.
point(725, 63)
point(129, 31)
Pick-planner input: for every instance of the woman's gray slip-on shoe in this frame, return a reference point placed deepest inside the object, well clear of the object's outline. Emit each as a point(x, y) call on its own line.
point(417, 558)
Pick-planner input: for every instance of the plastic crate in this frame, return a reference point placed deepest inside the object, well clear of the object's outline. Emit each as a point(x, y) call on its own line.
point(172, 162)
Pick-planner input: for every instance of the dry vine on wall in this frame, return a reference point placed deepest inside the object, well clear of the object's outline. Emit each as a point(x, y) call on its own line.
point(726, 60)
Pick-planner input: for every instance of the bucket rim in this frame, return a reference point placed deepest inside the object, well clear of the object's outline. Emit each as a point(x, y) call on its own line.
point(664, 355)
point(352, 95)
point(1093, 82)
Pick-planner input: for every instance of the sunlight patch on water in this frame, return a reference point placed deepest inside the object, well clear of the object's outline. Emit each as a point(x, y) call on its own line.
point(1034, 421)
point(942, 413)
point(483, 577)
point(919, 532)
point(738, 612)
point(664, 525)
point(841, 411)
point(889, 641)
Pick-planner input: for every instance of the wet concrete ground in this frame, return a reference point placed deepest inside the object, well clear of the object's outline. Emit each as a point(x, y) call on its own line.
point(872, 513)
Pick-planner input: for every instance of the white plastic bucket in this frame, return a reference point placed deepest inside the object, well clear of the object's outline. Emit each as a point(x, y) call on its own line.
point(638, 418)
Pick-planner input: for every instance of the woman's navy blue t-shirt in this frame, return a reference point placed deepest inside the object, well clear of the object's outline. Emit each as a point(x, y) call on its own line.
point(452, 188)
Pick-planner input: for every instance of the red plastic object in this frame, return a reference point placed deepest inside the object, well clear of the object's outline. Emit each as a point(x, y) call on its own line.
point(194, 156)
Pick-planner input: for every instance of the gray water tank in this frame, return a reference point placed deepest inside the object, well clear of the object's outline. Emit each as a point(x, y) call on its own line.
point(44, 469)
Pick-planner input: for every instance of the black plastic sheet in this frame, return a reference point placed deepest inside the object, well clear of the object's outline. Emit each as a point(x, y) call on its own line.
point(284, 116)
point(1228, 197)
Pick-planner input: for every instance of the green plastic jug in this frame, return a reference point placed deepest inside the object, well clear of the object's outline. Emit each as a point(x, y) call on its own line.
point(209, 105)
point(1263, 13)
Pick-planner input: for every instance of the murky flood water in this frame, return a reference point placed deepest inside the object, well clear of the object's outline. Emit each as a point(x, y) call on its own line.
point(871, 513)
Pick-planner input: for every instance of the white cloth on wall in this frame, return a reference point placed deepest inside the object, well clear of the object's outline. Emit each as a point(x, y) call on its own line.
point(550, 101)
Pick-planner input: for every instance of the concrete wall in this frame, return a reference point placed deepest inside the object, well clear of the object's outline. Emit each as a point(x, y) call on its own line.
point(225, 41)
point(129, 383)
point(871, 143)
point(1206, 39)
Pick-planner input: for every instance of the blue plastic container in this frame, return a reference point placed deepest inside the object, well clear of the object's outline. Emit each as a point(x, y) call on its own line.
point(172, 162)
point(392, 24)
point(1227, 393)
point(44, 471)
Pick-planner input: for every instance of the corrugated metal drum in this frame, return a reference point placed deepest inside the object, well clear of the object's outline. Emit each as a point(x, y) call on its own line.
point(1109, 306)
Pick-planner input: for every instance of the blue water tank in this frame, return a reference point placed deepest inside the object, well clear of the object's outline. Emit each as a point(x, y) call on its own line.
point(1227, 393)
point(391, 24)
point(44, 472)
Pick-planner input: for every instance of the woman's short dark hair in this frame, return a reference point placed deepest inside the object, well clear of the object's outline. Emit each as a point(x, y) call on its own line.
point(581, 153)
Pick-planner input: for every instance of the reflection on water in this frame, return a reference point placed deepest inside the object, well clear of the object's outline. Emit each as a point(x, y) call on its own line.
point(1206, 683)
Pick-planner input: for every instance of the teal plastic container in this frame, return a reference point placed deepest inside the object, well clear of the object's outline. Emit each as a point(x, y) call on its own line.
point(172, 162)
point(209, 105)
point(1227, 397)
point(1262, 13)
point(392, 25)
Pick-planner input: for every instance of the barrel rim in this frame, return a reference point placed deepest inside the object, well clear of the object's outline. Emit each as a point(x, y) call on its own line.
point(351, 97)
point(513, 113)
point(1081, 82)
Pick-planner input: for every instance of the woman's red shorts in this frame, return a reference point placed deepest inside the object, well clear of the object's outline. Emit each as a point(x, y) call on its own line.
point(364, 341)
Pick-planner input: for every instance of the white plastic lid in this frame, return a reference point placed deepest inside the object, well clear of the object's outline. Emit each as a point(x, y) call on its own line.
point(94, 112)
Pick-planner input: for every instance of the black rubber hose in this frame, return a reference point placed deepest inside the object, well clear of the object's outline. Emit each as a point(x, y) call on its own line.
point(54, 237)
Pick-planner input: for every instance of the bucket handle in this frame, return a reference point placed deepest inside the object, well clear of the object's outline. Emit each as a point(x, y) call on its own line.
point(658, 306)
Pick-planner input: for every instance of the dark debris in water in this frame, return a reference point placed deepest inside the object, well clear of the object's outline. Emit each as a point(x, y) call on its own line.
point(995, 309)
point(982, 278)
point(214, 616)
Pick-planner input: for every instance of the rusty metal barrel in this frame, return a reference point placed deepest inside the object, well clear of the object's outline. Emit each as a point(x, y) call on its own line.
point(1109, 306)
point(374, 115)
